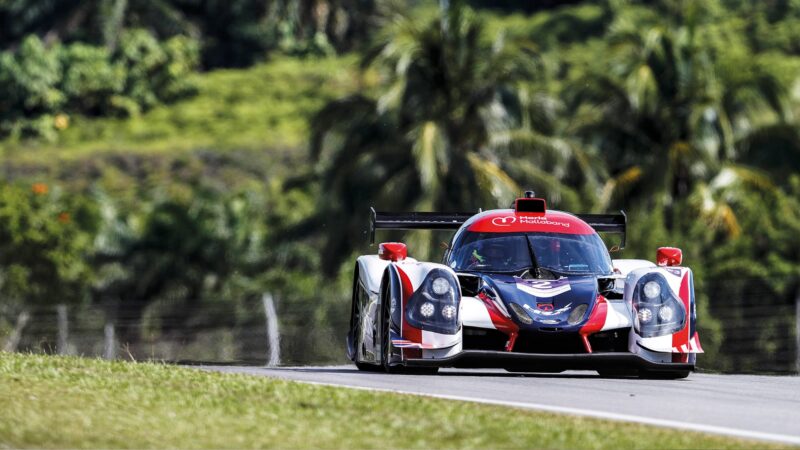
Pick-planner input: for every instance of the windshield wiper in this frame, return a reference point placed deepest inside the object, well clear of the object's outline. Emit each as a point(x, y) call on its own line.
point(533, 255)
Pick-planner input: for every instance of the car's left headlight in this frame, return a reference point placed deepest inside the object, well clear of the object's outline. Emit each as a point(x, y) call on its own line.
point(434, 305)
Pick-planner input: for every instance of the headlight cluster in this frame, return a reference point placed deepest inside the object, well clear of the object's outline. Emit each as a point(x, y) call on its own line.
point(434, 306)
point(658, 311)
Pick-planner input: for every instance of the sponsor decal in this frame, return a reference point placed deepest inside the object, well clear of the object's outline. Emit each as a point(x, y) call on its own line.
point(403, 343)
point(551, 312)
point(504, 221)
point(554, 312)
point(543, 288)
point(507, 221)
point(676, 272)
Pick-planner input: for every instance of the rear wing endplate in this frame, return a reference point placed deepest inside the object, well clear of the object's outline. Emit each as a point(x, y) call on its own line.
point(608, 223)
point(415, 221)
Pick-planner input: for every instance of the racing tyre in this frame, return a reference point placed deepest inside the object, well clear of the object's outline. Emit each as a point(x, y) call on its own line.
point(355, 330)
point(364, 367)
point(386, 348)
point(663, 374)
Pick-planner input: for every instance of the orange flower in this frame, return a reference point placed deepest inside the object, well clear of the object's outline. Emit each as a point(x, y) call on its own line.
point(61, 121)
point(39, 188)
point(63, 217)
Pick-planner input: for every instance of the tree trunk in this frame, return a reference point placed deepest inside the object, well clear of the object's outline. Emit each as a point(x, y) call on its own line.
point(13, 341)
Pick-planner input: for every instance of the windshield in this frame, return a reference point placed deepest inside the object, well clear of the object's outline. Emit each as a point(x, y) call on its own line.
point(511, 252)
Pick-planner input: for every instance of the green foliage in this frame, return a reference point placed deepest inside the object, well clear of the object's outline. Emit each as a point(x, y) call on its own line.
point(29, 90)
point(40, 85)
point(683, 114)
point(90, 81)
point(45, 238)
point(231, 33)
point(264, 107)
point(428, 140)
point(156, 72)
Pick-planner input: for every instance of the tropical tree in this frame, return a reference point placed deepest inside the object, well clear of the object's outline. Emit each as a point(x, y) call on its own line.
point(666, 111)
point(426, 142)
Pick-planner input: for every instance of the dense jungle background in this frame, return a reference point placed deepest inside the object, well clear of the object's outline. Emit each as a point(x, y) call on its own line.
point(169, 166)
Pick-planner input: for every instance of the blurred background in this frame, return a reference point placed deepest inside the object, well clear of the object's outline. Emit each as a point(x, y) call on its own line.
point(189, 180)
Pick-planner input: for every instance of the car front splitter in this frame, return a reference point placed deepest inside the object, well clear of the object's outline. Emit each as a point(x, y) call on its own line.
point(546, 362)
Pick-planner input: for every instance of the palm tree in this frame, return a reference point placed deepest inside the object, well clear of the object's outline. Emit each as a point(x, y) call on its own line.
point(428, 142)
point(663, 115)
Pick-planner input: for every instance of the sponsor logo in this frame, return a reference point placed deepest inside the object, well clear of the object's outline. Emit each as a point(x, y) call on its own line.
point(550, 312)
point(543, 288)
point(504, 221)
point(507, 221)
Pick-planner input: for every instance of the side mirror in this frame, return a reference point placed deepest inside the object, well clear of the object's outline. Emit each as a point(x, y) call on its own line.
point(669, 256)
point(392, 251)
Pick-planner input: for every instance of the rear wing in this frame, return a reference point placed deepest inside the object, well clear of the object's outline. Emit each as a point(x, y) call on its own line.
point(602, 223)
point(608, 223)
point(415, 221)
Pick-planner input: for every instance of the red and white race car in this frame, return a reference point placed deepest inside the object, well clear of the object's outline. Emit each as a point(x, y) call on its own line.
point(525, 289)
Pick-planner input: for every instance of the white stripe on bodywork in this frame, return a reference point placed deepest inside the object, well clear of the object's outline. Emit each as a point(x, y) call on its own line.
point(438, 340)
point(617, 315)
point(474, 313)
point(658, 343)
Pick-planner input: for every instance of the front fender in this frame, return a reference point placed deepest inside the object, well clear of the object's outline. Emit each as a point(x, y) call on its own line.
point(680, 281)
point(411, 275)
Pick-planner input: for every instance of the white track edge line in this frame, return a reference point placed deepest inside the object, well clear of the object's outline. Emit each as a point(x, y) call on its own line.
point(664, 423)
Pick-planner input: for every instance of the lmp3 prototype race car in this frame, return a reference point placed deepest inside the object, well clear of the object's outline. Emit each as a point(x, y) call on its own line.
point(525, 289)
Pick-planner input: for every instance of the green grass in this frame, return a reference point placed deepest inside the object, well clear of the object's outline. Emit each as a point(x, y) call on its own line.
point(59, 402)
point(266, 106)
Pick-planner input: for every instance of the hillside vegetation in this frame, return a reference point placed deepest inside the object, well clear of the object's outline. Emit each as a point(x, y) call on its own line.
point(165, 165)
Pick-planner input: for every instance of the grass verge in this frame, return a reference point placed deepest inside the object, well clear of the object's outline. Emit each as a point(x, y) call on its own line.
point(61, 402)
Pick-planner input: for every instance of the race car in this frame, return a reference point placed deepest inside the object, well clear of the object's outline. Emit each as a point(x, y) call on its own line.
point(525, 289)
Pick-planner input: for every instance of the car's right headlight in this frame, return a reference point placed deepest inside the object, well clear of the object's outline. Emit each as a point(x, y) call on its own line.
point(658, 312)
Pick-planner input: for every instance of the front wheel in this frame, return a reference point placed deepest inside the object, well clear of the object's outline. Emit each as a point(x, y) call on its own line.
point(356, 334)
point(386, 348)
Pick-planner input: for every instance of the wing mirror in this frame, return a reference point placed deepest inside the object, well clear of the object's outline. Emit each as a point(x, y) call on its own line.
point(392, 251)
point(669, 256)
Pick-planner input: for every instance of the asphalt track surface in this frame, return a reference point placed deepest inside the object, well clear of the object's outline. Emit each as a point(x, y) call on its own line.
point(747, 406)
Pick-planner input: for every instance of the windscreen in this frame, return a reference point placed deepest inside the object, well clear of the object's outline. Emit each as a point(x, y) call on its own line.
point(514, 252)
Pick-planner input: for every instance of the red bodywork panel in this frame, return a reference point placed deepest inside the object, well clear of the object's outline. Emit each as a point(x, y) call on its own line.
point(509, 221)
